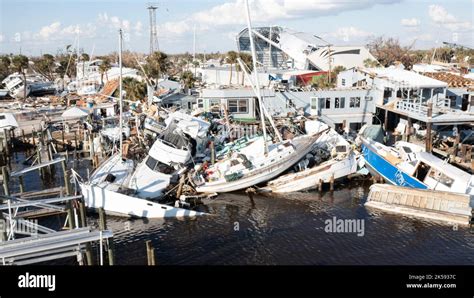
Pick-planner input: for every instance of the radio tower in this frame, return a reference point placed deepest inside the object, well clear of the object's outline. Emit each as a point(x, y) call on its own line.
point(153, 35)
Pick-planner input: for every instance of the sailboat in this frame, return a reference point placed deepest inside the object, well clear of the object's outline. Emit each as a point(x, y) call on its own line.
point(247, 167)
point(113, 185)
point(343, 161)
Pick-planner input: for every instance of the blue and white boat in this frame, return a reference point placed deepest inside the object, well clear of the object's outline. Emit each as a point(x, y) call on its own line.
point(409, 165)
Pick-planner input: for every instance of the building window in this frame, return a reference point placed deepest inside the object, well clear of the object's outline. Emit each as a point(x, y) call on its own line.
point(452, 101)
point(343, 82)
point(328, 103)
point(238, 106)
point(314, 103)
point(200, 103)
point(354, 102)
point(339, 102)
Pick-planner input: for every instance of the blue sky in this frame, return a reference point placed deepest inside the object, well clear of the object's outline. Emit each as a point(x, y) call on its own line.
point(44, 26)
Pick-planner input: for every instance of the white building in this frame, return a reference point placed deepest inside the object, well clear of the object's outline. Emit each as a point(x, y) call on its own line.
point(286, 48)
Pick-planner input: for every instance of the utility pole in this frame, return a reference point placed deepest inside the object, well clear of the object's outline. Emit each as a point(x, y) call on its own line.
point(153, 35)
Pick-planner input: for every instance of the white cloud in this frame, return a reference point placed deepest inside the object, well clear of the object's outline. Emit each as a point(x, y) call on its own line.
point(349, 33)
point(264, 11)
point(2, 37)
point(138, 28)
point(442, 17)
point(47, 31)
point(413, 22)
point(56, 31)
point(115, 23)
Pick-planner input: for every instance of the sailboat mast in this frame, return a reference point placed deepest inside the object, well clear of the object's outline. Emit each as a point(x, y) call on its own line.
point(257, 83)
point(120, 94)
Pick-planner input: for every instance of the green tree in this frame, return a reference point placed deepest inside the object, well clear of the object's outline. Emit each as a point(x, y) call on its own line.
point(5, 64)
point(46, 66)
point(20, 64)
point(187, 79)
point(231, 59)
point(157, 64)
point(104, 68)
point(134, 89)
point(247, 61)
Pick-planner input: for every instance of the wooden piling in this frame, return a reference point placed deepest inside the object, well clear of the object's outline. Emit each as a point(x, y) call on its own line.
point(6, 179)
point(150, 252)
point(428, 138)
point(33, 136)
point(7, 145)
point(22, 184)
point(102, 220)
point(320, 185)
point(23, 139)
point(110, 251)
point(62, 137)
point(331, 183)
point(3, 227)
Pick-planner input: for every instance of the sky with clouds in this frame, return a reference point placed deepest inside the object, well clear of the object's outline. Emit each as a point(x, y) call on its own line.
point(43, 26)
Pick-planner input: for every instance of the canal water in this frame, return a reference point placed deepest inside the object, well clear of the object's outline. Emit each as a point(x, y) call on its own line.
point(286, 229)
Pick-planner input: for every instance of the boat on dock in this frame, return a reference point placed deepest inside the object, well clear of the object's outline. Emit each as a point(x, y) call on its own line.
point(409, 166)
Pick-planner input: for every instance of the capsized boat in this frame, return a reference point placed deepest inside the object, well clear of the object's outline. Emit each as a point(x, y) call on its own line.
point(408, 165)
point(342, 162)
point(242, 170)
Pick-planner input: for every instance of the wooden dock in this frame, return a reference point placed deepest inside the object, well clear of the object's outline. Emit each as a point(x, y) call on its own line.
point(430, 204)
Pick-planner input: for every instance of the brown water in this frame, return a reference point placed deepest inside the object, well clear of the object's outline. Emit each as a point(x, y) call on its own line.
point(285, 229)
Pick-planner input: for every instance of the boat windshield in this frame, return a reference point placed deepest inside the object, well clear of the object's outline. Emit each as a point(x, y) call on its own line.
point(157, 166)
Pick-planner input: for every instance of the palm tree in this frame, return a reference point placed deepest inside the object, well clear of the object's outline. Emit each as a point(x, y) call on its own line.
point(188, 79)
point(134, 89)
point(157, 64)
point(231, 59)
point(103, 68)
point(20, 63)
point(247, 61)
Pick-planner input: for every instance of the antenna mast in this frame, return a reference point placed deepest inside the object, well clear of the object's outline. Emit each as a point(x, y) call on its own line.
point(153, 34)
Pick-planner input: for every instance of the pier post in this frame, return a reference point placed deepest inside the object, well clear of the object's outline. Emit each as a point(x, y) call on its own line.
point(331, 183)
point(102, 220)
point(320, 185)
point(428, 139)
point(38, 155)
point(82, 211)
point(62, 136)
point(33, 136)
point(213, 153)
point(150, 252)
point(6, 179)
point(23, 139)
point(409, 129)
point(22, 184)
point(110, 251)
point(7, 145)
point(3, 230)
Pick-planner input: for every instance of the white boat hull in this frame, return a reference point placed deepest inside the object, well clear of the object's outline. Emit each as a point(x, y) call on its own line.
point(124, 205)
point(263, 174)
point(309, 178)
